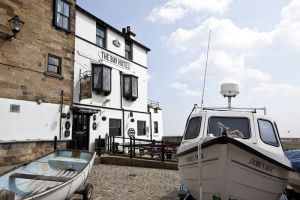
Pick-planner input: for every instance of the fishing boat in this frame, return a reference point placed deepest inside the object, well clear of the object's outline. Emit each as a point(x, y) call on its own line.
point(55, 176)
point(232, 153)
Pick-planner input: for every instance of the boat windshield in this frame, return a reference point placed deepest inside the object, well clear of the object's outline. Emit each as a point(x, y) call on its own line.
point(236, 127)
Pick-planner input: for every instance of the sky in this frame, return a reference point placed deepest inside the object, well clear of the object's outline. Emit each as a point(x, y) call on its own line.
point(254, 43)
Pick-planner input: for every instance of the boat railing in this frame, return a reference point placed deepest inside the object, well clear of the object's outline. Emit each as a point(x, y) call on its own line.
point(254, 110)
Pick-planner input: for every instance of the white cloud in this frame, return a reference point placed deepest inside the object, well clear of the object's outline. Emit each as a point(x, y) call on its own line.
point(174, 10)
point(183, 89)
point(224, 65)
point(225, 35)
point(278, 89)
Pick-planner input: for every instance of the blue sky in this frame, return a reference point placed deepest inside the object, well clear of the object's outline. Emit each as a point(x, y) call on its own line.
point(253, 43)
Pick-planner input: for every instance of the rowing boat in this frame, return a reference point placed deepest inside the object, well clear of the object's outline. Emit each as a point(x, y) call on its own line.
point(55, 176)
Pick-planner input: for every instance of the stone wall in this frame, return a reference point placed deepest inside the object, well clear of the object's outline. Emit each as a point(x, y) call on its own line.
point(13, 153)
point(290, 143)
point(23, 60)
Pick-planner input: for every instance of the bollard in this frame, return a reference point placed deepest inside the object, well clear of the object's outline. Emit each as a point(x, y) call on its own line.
point(162, 151)
point(99, 145)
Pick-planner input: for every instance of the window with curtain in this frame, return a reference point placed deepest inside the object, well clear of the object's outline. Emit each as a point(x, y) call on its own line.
point(101, 78)
point(130, 87)
point(128, 50)
point(54, 64)
point(100, 36)
point(62, 14)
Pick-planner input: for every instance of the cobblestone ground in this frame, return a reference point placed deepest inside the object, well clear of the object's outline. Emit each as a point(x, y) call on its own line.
point(121, 182)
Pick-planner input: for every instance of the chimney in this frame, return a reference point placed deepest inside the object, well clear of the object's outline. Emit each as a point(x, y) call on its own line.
point(128, 31)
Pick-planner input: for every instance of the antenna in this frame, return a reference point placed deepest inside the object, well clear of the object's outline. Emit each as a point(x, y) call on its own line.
point(205, 70)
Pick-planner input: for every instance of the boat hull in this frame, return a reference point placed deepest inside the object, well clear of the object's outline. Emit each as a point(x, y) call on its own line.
point(230, 172)
point(55, 176)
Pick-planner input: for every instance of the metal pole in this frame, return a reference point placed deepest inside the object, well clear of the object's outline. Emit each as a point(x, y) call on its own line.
point(130, 147)
point(60, 117)
point(162, 151)
point(134, 146)
point(55, 142)
point(113, 144)
point(99, 145)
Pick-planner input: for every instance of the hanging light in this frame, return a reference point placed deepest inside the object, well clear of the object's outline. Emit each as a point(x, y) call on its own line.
point(16, 25)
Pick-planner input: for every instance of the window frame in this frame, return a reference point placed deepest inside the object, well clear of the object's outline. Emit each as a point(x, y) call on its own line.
point(274, 131)
point(100, 27)
point(130, 96)
point(145, 131)
point(155, 126)
point(109, 127)
point(236, 117)
point(101, 75)
point(130, 52)
point(59, 66)
point(197, 117)
point(55, 12)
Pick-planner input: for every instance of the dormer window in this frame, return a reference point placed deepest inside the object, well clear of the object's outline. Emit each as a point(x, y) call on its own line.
point(128, 50)
point(62, 14)
point(101, 78)
point(100, 36)
point(130, 87)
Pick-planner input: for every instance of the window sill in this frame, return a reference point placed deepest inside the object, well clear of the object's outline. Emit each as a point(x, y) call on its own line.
point(60, 77)
point(67, 31)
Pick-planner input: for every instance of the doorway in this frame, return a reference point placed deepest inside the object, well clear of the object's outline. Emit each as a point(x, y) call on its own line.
point(81, 131)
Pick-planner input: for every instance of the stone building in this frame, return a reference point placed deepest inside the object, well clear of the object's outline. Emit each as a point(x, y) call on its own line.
point(290, 143)
point(36, 76)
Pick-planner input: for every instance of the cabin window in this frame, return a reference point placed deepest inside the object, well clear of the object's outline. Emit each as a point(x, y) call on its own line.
point(238, 127)
point(101, 78)
point(62, 14)
point(141, 127)
point(130, 87)
point(155, 127)
point(267, 132)
point(193, 129)
point(100, 36)
point(115, 127)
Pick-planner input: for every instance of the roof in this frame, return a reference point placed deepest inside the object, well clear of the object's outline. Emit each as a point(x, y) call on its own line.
point(101, 22)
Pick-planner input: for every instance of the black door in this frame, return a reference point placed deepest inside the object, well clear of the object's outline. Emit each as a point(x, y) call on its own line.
point(80, 131)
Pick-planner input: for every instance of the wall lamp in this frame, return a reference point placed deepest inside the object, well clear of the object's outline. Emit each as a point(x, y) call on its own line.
point(16, 25)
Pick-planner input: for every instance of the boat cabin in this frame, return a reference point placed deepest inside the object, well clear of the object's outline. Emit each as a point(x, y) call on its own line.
point(244, 126)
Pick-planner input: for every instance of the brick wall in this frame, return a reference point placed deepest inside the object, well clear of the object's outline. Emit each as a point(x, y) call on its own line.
point(23, 60)
point(13, 153)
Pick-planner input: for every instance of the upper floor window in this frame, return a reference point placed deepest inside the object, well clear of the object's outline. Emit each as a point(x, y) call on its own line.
point(238, 127)
point(100, 36)
point(54, 64)
point(267, 132)
point(101, 78)
point(128, 50)
point(141, 127)
point(130, 87)
point(193, 129)
point(62, 14)
point(155, 127)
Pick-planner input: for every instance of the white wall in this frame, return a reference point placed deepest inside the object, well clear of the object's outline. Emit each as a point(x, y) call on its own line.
point(139, 55)
point(157, 117)
point(85, 55)
point(34, 121)
point(85, 27)
point(111, 36)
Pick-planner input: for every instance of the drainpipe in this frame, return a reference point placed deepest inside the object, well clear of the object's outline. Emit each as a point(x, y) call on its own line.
point(150, 126)
point(60, 117)
point(121, 105)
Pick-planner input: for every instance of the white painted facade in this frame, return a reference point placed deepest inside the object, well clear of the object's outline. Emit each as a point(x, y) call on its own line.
point(113, 105)
point(33, 121)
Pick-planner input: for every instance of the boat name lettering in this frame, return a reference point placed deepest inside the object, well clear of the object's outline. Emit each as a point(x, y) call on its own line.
point(114, 60)
point(261, 165)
